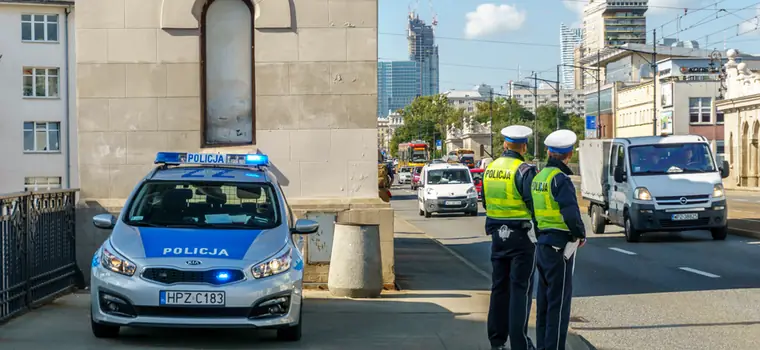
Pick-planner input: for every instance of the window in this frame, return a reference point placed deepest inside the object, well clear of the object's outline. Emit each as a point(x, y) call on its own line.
point(40, 82)
point(719, 117)
point(699, 109)
point(671, 158)
point(39, 27)
point(448, 176)
point(42, 137)
point(720, 151)
point(41, 183)
point(205, 205)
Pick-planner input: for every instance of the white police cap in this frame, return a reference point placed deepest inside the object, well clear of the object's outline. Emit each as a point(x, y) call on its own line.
point(516, 133)
point(561, 141)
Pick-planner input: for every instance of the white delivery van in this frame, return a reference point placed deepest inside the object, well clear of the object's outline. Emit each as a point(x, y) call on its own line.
point(446, 188)
point(654, 184)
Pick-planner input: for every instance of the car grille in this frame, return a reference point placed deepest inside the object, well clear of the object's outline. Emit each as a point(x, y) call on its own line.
point(689, 200)
point(685, 223)
point(453, 198)
point(171, 276)
point(192, 312)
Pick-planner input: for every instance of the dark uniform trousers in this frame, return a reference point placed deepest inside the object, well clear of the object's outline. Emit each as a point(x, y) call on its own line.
point(513, 260)
point(555, 291)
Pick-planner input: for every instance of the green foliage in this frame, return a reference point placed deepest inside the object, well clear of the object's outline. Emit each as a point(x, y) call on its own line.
point(426, 119)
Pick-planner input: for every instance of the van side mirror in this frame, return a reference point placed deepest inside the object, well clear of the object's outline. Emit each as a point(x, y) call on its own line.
point(724, 170)
point(619, 175)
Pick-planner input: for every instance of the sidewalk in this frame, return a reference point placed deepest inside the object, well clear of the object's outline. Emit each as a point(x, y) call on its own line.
point(442, 304)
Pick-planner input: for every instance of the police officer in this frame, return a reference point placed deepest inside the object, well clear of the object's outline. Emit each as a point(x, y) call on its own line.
point(559, 222)
point(506, 192)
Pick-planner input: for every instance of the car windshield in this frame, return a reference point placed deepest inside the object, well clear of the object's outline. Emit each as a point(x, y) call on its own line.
point(418, 156)
point(671, 158)
point(405, 170)
point(468, 160)
point(252, 206)
point(448, 176)
point(417, 170)
point(477, 176)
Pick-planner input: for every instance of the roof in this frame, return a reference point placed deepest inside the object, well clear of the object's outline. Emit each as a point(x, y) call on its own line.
point(217, 173)
point(652, 140)
point(612, 53)
point(437, 166)
point(40, 2)
point(473, 94)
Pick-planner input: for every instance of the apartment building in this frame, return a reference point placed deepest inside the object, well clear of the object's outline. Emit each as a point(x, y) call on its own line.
point(571, 101)
point(468, 99)
point(37, 95)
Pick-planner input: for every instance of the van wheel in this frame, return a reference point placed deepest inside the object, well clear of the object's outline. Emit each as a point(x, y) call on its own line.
point(597, 220)
point(422, 212)
point(719, 234)
point(631, 235)
point(427, 213)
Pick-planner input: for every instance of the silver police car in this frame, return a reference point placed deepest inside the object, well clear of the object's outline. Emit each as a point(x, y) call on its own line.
point(204, 240)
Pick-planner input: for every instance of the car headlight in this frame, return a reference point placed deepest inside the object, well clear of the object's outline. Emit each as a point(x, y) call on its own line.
point(472, 193)
point(116, 263)
point(273, 266)
point(431, 193)
point(642, 194)
point(718, 191)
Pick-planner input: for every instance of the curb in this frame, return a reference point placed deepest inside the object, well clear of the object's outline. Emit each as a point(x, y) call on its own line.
point(576, 342)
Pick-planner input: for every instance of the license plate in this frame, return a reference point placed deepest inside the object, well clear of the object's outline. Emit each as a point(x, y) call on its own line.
point(453, 202)
point(192, 298)
point(681, 217)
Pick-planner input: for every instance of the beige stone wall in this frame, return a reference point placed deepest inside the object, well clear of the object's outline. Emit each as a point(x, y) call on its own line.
point(138, 86)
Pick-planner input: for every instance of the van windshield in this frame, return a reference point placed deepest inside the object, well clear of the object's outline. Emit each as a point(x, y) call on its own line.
point(448, 176)
point(671, 158)
point(250, 206)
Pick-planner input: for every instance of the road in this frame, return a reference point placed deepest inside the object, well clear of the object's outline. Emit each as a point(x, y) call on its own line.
point(671, 291)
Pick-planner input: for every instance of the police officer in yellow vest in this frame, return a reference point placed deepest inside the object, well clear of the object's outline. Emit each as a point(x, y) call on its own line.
point(506, 192)
point(559, 222)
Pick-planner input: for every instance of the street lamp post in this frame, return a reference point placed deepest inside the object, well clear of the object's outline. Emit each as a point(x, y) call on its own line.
point(598, 87)
point(653, 64)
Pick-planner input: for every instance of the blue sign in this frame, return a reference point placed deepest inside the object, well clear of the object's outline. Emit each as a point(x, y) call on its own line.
point(590, 122)
point(438, 143)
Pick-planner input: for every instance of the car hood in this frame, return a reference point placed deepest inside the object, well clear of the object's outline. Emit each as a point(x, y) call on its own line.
point(162, 244)
point(678, 184)
point(450, 190)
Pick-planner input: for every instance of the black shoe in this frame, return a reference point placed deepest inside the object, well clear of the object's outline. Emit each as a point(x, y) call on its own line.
point(499, 347)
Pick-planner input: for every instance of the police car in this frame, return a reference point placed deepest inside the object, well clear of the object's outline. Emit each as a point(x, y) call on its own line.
point(204, 240)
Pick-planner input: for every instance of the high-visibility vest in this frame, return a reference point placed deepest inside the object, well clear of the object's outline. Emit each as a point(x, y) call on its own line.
point(548, 216)
point(503, 200)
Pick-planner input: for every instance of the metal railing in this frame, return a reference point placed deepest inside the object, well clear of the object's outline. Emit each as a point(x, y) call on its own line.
point(37, 249)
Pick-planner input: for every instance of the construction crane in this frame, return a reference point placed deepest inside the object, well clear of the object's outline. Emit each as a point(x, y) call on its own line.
point(414, 4)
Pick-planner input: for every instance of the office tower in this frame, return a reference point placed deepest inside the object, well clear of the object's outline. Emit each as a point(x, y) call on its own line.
point(613, 22)
point(424, 51)
point(398, 84)
point(569, 40)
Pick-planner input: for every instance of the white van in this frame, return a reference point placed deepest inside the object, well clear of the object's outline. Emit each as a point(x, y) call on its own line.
point(446, 188)
point(654, 184)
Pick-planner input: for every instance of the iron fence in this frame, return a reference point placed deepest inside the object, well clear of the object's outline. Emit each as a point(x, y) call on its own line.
point(37, 249)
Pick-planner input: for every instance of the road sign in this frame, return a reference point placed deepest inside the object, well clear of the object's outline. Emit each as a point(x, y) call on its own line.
point(438, 145)
point(591, 126)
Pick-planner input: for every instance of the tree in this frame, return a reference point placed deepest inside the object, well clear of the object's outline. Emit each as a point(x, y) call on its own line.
point(506, 111)
point(426, 119)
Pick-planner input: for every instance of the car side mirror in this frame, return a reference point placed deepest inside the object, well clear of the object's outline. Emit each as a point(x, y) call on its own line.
point(305, 227)
point(104, 221)
point(619, 175)
point(725, 170)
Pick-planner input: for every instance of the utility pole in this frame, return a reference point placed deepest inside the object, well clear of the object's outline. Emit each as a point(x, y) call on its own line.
point(490, 134)
point(535, 116)
point(558, 93)
point(654, 82)
point(598, 93)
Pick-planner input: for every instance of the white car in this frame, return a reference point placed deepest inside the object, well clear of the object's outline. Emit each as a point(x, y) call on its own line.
point(207, 244)
point(405, 175)
point(446, 188)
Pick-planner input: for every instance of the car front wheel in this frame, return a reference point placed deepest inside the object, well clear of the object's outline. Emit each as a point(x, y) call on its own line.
point(292, 333)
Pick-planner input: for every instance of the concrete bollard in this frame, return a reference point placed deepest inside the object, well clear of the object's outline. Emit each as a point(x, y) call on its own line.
point(356, 270)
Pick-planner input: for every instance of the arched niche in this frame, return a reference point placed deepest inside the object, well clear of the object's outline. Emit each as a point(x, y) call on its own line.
point(186, 14)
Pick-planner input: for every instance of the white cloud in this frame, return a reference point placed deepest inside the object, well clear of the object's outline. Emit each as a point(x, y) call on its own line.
point(751, 26)
point(490, 19)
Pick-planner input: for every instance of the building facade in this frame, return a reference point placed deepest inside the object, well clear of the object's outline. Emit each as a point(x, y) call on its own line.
point(741, 108)
point(572, 101)
point(37, 96)
point(398, 84)
point(424, 51)
point(386, 127)
point(235, 76)
point(569, 40)
point(468, 99)
point(614, 22)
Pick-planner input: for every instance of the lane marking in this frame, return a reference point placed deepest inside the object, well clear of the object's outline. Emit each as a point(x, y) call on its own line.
point(698, 272)
point(741, 200)
point(753, 220)
point(754, 243)
point(622, 251)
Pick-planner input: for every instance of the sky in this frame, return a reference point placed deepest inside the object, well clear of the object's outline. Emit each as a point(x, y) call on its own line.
point(483, 41)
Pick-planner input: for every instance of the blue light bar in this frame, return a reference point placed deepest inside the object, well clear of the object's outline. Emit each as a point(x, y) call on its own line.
point(176, 158)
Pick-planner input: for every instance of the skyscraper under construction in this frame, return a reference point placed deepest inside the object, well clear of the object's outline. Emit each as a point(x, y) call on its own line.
point(424, 51)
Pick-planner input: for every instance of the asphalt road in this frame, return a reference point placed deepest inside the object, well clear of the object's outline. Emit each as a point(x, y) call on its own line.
point(670, 291)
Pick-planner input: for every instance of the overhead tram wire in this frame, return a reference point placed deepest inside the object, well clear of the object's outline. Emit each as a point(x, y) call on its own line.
point(726, 13)
point(681, 8)
point(503, 42)
point(462, 65)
